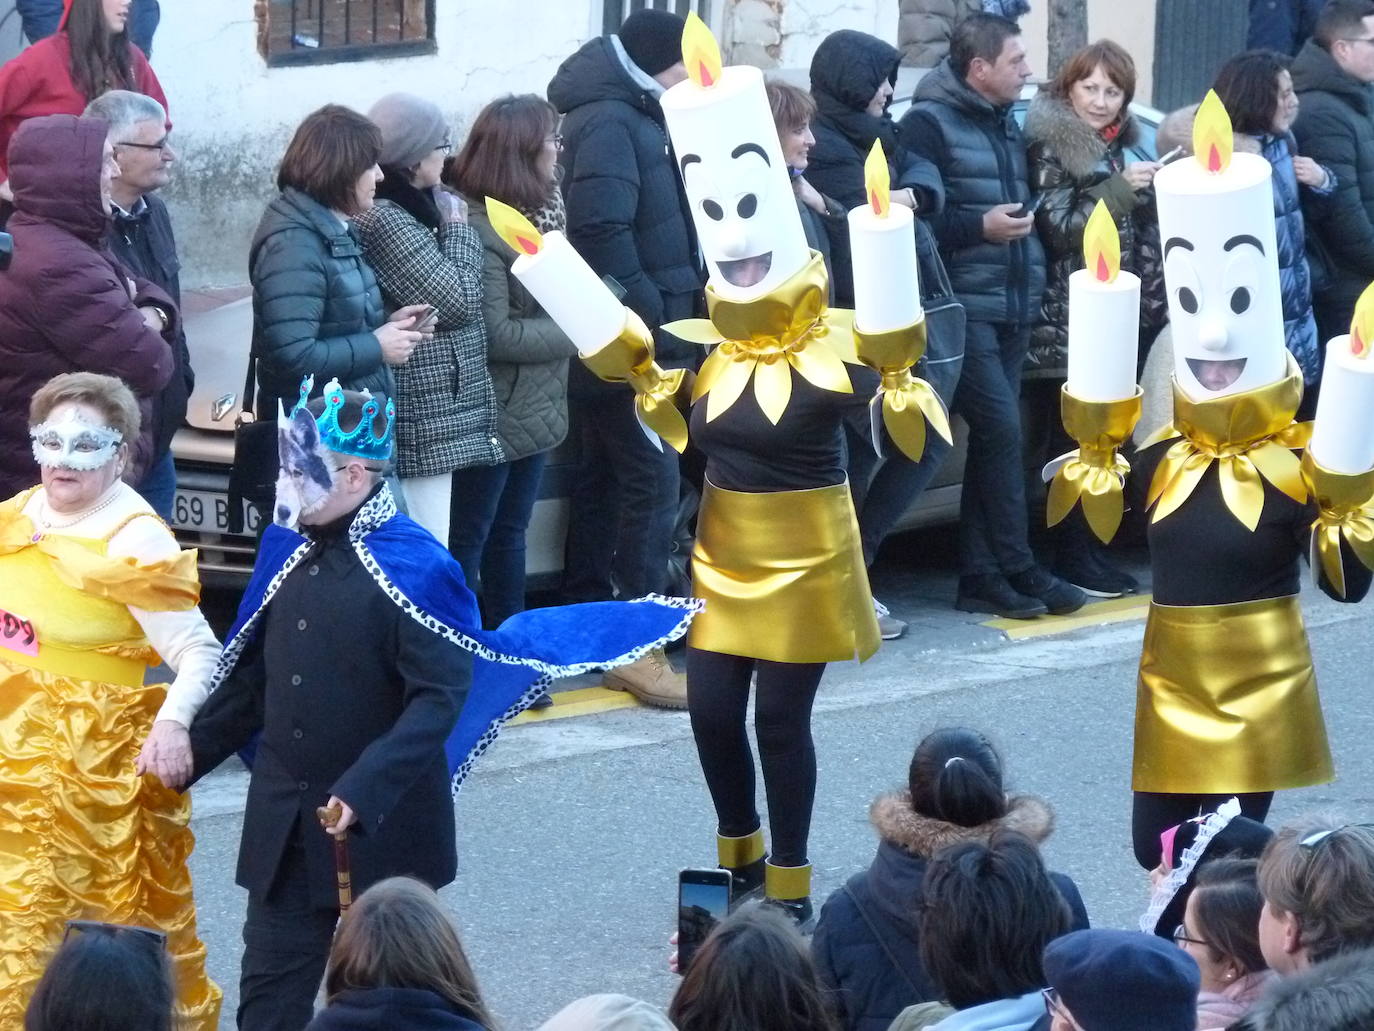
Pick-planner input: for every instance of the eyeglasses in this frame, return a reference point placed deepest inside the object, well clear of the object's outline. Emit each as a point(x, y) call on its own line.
point(1313, 841)
point(369, 468)
point(446, 147)
point(76, 928)
point(1181, 938)
point(556, 139)
point(1055, 1008)
point(1357, 39)
point(164, 145)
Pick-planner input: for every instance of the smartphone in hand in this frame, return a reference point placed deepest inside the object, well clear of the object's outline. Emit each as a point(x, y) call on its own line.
point(1030, 207)
point(427, 319)
point(703, 900)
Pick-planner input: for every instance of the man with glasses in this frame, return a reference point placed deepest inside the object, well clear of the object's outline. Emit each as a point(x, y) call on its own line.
point(1118, 981)
point(141, 238)
point(1335, 128)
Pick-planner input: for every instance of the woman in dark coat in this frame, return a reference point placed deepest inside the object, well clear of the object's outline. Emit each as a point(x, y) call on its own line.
point(1084, 146)
point(1257, 89)
point(867, 941)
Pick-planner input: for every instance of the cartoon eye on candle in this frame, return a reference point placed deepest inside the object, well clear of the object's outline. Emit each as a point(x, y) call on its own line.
point(737, 184)
point(1216, 220)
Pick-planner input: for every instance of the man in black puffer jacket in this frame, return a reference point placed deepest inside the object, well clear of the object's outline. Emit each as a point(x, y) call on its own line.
point(628, 217)
point(962, 121)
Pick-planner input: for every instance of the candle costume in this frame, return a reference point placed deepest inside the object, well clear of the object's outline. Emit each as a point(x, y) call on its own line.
point(350, 660)
point(1227, 701)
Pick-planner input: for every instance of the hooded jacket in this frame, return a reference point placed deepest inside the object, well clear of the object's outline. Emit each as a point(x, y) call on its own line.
point(981, 155)
point(315, 304)
point(867, 940)
point(1335, 128)
point(846, 71)
point(66, 304)
point(1072, 167)
point(627, 212)
point(390, 1009)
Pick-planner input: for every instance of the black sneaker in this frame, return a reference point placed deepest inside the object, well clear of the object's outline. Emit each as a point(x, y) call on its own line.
point(993, 594)
point(1059, 598)
point(1096, 580)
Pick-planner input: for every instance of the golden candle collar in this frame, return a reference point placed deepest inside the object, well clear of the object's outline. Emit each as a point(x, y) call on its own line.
point(1094, 474)
point(1251, 436)
point(791, 327)
point(908, 401)
point(1345, 511)
point(659, 394)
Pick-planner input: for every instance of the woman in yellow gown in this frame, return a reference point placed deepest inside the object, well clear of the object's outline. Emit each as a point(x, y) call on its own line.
point(93, 591)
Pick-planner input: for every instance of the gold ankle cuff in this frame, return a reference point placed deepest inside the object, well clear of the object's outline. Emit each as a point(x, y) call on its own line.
point(736, 853)
point(786, 882)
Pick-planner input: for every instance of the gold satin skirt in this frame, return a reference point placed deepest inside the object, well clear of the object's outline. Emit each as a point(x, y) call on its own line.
point(782, 575)
point(1227, 701)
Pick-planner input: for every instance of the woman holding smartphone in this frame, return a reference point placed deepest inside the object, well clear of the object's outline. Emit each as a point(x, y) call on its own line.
point(418, 242)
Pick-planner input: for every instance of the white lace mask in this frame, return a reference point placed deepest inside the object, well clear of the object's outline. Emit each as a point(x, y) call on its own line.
point(74, 444)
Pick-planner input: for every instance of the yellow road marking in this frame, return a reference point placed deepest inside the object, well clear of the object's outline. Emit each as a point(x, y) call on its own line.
point(582, 702)
point(1098, 613)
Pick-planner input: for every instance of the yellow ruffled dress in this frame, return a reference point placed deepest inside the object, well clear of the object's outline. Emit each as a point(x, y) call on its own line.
point(81, 836)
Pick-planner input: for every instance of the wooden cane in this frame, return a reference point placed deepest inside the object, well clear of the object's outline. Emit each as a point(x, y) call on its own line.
point(329, 816)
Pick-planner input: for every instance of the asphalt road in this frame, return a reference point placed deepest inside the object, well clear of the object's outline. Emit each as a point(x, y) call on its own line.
point(571, 832)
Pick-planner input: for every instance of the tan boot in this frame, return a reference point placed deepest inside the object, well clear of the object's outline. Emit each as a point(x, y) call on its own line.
point(652, 680)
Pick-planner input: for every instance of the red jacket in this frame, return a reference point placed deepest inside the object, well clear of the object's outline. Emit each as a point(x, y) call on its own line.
point(39, 82)
point(65, 303)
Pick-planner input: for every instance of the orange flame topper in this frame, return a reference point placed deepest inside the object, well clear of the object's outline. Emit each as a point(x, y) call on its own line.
point(1212, 139)
point(877, 181)
point(700, 53)
point(1362, 325)
point(514, 228)
point(1102, 245)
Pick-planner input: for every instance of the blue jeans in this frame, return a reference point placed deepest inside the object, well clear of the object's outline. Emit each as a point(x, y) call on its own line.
point(490, 514)
point(992, 524)
point(41, 18)
point(623, 504)
point(159, 486)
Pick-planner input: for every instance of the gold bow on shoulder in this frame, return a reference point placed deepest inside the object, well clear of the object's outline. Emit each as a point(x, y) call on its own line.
point(789, 328)
point(1345, 511)
point(1251, 437)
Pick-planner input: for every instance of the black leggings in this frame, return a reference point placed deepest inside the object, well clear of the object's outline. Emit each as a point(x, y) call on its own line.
point(717, 700)
point(1154, 813)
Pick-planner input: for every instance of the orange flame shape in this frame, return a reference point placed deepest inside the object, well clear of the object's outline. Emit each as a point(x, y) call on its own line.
point(1212, 139)
point(700, 53)
point(513, 227)
point(877, 181)
point(1362, 324)
point(1102, 245)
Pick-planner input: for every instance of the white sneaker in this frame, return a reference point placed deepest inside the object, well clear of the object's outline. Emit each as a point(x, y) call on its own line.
point(889, 626)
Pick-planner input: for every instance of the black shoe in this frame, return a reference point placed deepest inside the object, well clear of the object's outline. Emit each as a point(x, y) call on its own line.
point(1059, 598)
point(995, 595)
point(746, 881)
point(1122, 579)
point(1095, 579)
point(798, 909)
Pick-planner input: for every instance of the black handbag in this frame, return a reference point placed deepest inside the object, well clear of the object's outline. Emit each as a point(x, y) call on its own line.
point(945, 319)
point(253, 476)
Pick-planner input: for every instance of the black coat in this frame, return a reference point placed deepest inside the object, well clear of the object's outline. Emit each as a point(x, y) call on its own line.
point(981, 155)
point(315, 304)
point(1073, 167)
point(867, 940)
point(146, 245)
point(627, 212)
point(353, 698)
point(390, 1009)
point(846, 71)
point(1335, 128)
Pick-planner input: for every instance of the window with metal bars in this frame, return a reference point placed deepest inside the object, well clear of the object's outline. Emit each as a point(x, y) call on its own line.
point(320, 31)
point(614, 12)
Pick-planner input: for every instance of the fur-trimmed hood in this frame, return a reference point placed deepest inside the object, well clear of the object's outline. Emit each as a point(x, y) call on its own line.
point(899, 824)
point(1051, 123)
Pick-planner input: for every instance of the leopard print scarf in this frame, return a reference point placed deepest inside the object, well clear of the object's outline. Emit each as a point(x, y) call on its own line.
point(550, 215)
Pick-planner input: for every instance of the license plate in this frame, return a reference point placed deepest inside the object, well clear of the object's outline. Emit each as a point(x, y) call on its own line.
point(208, 512)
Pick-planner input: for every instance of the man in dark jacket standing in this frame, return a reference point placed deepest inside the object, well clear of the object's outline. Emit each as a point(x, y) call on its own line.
point(1335, 128)
point(962, 121)
point(628, 217)
point(142, 239)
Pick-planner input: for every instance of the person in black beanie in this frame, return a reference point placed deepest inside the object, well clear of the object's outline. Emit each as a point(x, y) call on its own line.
point(628, 217)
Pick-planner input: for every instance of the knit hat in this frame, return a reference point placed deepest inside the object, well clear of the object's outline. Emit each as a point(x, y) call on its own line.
point(653, 39)
point(608, 1013)
point(1124, 981)
point(411, 128)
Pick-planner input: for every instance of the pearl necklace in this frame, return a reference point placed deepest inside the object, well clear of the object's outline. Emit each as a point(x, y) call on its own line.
point(49, 524)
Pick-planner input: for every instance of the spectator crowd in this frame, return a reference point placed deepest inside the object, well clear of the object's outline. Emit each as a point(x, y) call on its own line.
point(377, 263)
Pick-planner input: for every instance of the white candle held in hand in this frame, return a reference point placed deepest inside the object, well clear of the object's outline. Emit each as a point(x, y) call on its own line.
point(1343, 436)
point(882, 244)
point(1104, 317)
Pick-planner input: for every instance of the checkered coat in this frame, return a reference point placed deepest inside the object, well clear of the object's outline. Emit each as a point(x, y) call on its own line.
point(445, 405)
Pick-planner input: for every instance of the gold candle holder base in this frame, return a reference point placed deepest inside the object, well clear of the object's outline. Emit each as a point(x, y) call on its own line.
point(660, 394)
point(1345, 511)
point(1094, 474)
point(908, 401)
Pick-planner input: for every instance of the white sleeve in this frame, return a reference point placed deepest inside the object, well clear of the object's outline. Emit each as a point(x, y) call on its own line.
point(183, 639)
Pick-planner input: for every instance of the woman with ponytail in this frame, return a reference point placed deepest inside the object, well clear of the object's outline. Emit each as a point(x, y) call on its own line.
point(89, 54)
point(867, 944)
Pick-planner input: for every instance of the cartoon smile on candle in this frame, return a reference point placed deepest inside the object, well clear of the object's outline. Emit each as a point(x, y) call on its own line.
point(1216, 219)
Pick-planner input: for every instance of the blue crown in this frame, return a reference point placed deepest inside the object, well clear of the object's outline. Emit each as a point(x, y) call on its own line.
point(362, 442)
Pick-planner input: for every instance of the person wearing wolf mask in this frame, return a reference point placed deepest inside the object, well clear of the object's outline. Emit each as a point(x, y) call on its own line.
point(1227, 698)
